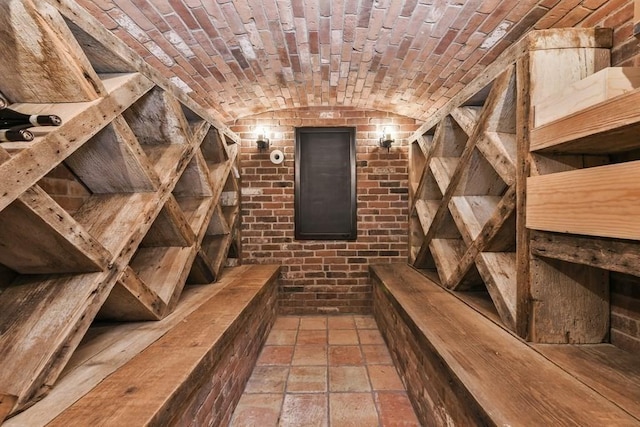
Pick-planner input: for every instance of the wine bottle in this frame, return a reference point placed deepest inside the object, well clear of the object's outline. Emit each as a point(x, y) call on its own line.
point(10, 118)
point(18, 133)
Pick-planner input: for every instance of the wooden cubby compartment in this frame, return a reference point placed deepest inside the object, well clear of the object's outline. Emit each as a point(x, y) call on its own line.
point(469, 184)
point(104, 215)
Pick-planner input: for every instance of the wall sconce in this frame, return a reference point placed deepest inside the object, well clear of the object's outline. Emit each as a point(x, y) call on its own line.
point(386, 139)
point(262, 140)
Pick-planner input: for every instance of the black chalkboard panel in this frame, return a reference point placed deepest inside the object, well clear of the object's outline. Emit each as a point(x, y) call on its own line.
point(325, 180)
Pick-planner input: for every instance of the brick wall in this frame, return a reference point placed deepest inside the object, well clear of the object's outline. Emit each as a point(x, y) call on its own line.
point(213, 402)
point(325, 276)
point(63, 186)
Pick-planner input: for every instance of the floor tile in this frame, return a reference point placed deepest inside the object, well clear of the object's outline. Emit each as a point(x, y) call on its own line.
point(275, 355)
point(307, 379)
point(286, 323)
point(365, 322)
point(312, 337)
point(281, 337)
point(370, 336)
point(324, 371)
point(376, 354)
point(343, 336)
point(395, 410)
point(345, 355)
point(341, 322)
point(257, 410)
point(313, 322)
point(348, 378)
point(352, 409)
point(308, 410)
point(309, 355)
point(267, 379)
point(384, 377)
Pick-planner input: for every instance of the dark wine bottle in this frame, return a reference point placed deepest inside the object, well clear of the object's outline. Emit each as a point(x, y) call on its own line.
point(18, 133)
point(10, 118)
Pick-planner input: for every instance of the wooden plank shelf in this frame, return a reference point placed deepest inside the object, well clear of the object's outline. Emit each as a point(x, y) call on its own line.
point(27, 167)
point(39, 237)
point(482, 195)
point(467, 117)
point(135, 155)
point(443, 168)
point(594, 89)
point(170, 228)
point(601, 201)
point(471, 213)
point(426, 211)
point(613, 373)
point(498, 271)
point(608, 127)
point(163, 269)
point(132, 300)
point(499, 148)
point(477, 373)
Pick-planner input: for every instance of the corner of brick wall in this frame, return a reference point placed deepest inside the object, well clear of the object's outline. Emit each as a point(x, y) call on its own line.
point(325, 276)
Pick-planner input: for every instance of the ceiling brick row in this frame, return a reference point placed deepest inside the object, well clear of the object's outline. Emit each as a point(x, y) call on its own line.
point(244, 57)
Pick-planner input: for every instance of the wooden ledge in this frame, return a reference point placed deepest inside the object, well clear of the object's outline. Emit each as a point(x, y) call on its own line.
point(140, 373)
point(502, 378)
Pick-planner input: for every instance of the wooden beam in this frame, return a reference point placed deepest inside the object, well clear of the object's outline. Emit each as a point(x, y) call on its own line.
point(607, 254)
point(601, 201)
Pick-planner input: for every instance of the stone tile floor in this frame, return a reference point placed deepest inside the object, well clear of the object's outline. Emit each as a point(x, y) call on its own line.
point(324, 371)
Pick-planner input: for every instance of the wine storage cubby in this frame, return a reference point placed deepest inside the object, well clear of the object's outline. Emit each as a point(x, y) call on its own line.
point(469, 166)
point(109, 215)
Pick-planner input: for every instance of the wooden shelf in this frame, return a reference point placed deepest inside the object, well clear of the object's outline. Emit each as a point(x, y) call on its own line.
point(498, 271)
point(132, 300)
point(136, 168)
point(39, 237)
point(426, 211)
point(443, 169)
point(170, 228)
point(608, 127)
point(471, 213)
point(468, 213)
point(163, 269)
point(601, 201)
point(467, 117)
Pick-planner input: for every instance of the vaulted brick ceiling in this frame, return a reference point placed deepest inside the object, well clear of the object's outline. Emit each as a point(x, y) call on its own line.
point(243, 57)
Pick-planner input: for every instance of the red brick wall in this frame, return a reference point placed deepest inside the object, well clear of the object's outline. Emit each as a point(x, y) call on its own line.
point(325, 276)
point(213, 402)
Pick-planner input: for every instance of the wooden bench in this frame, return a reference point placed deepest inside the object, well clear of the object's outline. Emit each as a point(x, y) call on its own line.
point(189, 368)
point(461, 368)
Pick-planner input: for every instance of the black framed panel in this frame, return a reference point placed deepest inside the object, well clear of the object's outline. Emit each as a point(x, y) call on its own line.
point(325, 184)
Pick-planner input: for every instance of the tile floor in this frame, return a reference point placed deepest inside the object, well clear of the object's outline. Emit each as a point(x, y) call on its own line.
point(324, 371)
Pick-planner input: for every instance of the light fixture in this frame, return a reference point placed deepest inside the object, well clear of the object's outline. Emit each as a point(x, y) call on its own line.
point(386, 139)
point(262, 140)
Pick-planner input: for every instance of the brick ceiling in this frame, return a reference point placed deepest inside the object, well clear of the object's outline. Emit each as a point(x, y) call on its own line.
point(242, 57)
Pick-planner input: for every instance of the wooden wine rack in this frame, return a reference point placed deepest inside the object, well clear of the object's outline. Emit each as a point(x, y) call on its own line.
point(160, 184)
point(469, 166)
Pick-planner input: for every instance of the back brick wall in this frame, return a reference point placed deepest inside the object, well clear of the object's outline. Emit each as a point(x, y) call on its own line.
point(325, 276)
